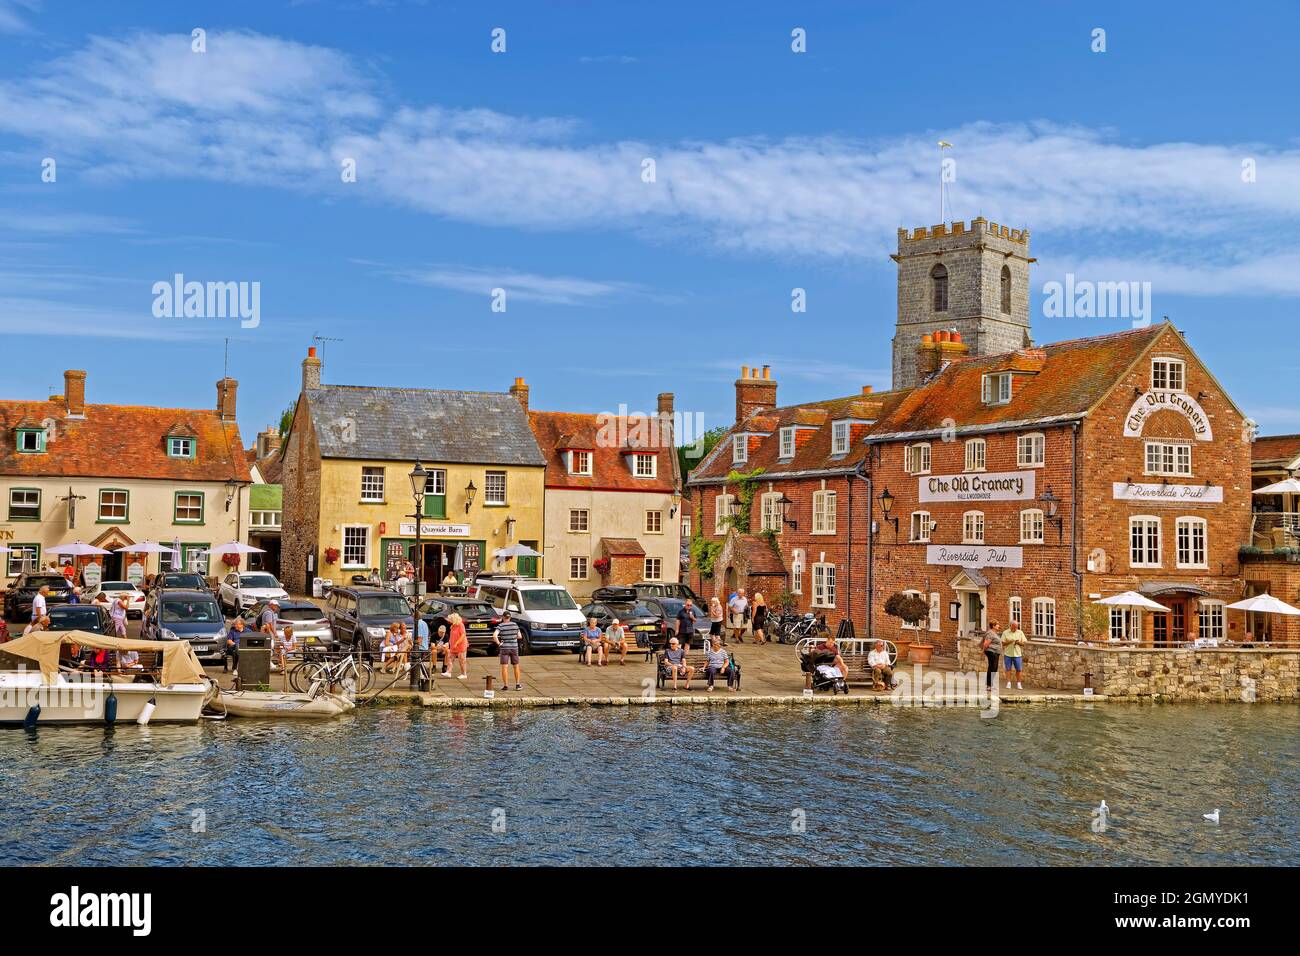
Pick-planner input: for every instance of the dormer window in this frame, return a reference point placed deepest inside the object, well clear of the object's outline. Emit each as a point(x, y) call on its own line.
point(996, 389)
point(787, 443)
point(580, 463)
point(1168, 375)
point(739, 448)
point(839, 438)
point(644, 466)
point(180, 447)
point(31, 441)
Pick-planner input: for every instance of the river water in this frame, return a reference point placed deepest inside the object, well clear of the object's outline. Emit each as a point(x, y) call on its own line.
point(780, 785)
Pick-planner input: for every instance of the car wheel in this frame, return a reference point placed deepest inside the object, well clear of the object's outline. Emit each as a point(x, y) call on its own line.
point(524, 647)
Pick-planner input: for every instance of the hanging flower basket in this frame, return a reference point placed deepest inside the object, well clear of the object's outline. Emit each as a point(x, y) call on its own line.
point(331, 555)
point(601, 565)
point(230, 560)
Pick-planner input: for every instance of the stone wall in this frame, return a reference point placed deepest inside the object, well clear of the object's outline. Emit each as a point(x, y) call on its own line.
point(1213, 674)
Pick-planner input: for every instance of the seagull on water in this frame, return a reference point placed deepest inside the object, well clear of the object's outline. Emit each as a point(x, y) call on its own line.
point(1212, 817)
point(1103, 808)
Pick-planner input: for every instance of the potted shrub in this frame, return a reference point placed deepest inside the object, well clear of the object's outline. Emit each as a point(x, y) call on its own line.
point(910, 609)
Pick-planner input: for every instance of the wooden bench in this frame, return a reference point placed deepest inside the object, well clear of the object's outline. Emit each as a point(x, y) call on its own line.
point(699, 660)
point(854, 654)
point(635, 646)
point(858, 671)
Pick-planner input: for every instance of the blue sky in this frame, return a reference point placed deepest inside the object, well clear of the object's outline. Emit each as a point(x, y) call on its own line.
point(521, 170)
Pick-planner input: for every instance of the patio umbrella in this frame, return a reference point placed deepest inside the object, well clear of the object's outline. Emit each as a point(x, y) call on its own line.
point(1132, 599)
point(516, 551)
point(458, 562)
point(76, 548)
point(232, 547)
point(149, 547)
point(1264, 604)
point(1288, 486)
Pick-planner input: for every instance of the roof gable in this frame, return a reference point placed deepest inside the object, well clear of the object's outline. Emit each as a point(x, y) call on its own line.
point(611, 441)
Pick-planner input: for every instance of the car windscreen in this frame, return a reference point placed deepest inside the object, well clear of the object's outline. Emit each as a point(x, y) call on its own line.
point(548, 599)
point(257, 581)
point(79, 617)
point(674, 607)
point(620, 609)
point(117, 586)
point(184, 581)
point(386, 604)
point(47, 580)
point(191, 612)
point(301, 614)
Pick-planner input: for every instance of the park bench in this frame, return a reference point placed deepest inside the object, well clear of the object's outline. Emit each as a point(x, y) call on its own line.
point(699, 660)
point(854, 654)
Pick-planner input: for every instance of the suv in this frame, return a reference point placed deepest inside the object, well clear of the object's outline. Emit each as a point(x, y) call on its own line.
point(664, 589)
point(360, 615)
point(480, 617)
point(82, 617)
point(18, 599)
point(240, 590)
point(186, 615)
point(546, 613)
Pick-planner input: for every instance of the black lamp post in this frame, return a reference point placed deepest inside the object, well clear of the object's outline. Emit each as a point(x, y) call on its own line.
point(469, 495)
point(1051, 504)
point(887, 506)
point(419, 475)
point(785, 504)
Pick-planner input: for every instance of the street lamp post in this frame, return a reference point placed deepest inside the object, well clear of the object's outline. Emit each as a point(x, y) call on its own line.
point(419, 475)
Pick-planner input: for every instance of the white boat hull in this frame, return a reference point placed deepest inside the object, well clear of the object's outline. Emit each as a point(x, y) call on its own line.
point(78, 702)
point(251, 703)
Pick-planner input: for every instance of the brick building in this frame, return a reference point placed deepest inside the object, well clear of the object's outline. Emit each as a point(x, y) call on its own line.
point(1271, 555)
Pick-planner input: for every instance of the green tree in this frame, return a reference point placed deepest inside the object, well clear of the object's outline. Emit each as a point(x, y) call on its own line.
point(286, 418)
point(689, 456)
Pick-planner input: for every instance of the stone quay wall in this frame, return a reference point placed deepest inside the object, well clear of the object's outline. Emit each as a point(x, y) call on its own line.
point(1203, 674)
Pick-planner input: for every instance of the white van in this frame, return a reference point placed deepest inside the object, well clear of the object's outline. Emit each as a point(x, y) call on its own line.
point(546, 613)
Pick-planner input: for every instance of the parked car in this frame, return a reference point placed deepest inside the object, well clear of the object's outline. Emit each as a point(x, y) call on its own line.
point(546, 613)
point(184, 580)
point(670, 607)
point(18, 599)
point(360, 615)
point(480, 618)
point(116, 589)
point(311, 625)
point(81, 617)
point(667, 589)
point(643, 623)
point(240, 590)
point(186, 615)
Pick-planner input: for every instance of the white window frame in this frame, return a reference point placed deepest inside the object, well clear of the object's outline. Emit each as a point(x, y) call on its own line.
point(1187, 528)
point(436, 482)
point(26, 504)
point(787, 443)
point(919, 528)
point(489, 478)
point(371, 481)
point(580, 462)
point(936, 613)
point(176, 507)
point(739, 448)
point(579, 521)
point(771, 515)
point(1218, 622)
point(180, 447)
point(1031, 450)
point(686, 524)
point(972, 527)
point(912, 592)
point(1003, 387)
point(722, 512)
point(654, 569)
point(977, 452)
point(916, 458)
point(1034, 522)
point(1125, 624)
point(343, 549)
point(823, 575)
point(796, 574)
point(654, 521)
point(579, 567)
point(1168, 369)
point(645, 465)
point(841, 432)
point(1015, 611)
point(125, 504)
point(1044, 611)
point(1173, 458)
point(1147, 523)
point(824, 504)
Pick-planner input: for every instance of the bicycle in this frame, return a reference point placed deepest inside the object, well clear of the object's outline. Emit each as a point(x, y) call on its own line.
point(323, 673)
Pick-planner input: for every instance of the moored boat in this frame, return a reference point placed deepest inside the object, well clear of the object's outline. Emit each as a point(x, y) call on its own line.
point(252, 703)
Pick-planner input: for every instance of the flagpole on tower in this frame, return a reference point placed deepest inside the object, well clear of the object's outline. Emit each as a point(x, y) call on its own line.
point(945, 211)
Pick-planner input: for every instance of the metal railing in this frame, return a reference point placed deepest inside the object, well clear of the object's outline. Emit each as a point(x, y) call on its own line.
point(1275, 530)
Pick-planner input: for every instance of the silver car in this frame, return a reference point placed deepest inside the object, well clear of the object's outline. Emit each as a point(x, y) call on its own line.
point(311, 628)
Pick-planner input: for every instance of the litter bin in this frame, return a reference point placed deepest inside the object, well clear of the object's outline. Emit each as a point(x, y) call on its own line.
point(254, 661)
point(317, 587)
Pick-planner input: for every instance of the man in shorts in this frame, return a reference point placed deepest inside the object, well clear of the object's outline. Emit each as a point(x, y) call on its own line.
point(616, 637)
point(506, 637)
point(675, 662)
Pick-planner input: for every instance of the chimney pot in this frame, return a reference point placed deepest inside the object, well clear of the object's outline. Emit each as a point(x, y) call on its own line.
point(311, 366)
point(867, 389)
point(226, 391)
point(311, 351)
point(74, 391)
point(520, 391)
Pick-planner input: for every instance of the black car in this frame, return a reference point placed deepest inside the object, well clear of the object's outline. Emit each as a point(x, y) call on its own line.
point(359, 616)
point(82, 617)
point(658, 589)
point(182, 580)
point(18, 599)
point(670, 607)
point(644, 623)
point(186, 615)
point(480, 618)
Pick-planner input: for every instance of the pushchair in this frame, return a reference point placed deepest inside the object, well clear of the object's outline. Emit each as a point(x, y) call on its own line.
point(818, 662)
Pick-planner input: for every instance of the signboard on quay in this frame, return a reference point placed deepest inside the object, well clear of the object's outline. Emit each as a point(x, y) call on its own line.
point(980, 486)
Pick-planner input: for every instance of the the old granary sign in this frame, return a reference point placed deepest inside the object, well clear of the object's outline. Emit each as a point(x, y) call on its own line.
point(1168, 494)
point(982, 486)
point(974, 556)
point(1183, 404)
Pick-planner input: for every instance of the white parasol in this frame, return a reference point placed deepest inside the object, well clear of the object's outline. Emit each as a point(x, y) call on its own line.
point(1132, 599)
point(1264, 604)
point(1288, 486)
point(76, 549)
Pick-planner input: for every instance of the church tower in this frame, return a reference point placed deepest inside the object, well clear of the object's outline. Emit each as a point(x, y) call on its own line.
point(972, 279)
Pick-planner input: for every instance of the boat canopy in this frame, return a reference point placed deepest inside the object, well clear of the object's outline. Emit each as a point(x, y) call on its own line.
point(179, 665)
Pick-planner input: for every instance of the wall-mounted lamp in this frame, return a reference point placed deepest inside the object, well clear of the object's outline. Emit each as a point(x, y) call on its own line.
point(1051, 505)
point(470, 491)
point(785, 504)
point(887, 507)
point(676, 503)
point(232, 487)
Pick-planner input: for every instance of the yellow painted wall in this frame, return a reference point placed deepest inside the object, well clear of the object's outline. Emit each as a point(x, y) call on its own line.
point(610, 514)
point(341, 505)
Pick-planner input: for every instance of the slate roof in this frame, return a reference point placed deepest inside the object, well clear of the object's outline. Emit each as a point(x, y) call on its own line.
point(432, 425)
point(557, 431)
point(1282, 449)
point(121, 441)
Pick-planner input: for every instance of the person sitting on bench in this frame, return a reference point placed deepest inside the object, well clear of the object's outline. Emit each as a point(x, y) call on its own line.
point(719, 663)
point(882, 674)
point(675, 662)
point(616, 637)
point(592, 643)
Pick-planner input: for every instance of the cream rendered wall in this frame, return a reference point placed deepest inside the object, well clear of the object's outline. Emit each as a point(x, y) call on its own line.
point(611, 514)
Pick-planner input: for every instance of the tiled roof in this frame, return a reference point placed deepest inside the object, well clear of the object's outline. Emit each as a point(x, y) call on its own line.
point(622, 547)
point(762, 559)
point(271, 467)
point(1073, 376)
point(609, 439)
point(1276, 448)
point(432, 425)
point(121, 441)
point(812, 453)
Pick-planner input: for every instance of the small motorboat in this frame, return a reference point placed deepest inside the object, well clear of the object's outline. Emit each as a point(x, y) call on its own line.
point(60, 693)
point(257, 703)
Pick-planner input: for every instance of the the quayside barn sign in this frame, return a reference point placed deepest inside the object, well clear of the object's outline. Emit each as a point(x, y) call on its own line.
point(1180, 402)
point(984, 486)
point(974, 556)
point(1170, 494)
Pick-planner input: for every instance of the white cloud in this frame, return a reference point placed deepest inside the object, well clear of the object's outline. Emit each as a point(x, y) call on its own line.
point(529, 287)
point(13, 15)
point(267, 111)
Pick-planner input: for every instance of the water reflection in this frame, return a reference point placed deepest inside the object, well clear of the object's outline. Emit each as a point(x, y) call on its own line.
point(661, 785)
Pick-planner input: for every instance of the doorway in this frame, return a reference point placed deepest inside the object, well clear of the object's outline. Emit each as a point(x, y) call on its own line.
point(971, 614)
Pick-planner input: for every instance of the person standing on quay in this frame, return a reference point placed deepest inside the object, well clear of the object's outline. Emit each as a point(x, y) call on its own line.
point(686, 623)
point(1013, 643)
point(457, 646)
point(991, 644)
point(715, 617)
point(738, 605)
point(759, 620)
point(117, 613)
point(506, 637)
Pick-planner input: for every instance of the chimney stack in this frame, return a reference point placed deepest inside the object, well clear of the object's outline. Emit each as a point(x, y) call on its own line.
point(310, 370)
point(268, 441)
point(520, 391)
point(936, 350)
point(867, 389)
point(755, 391)
point(74, 391)
point(226, 389)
